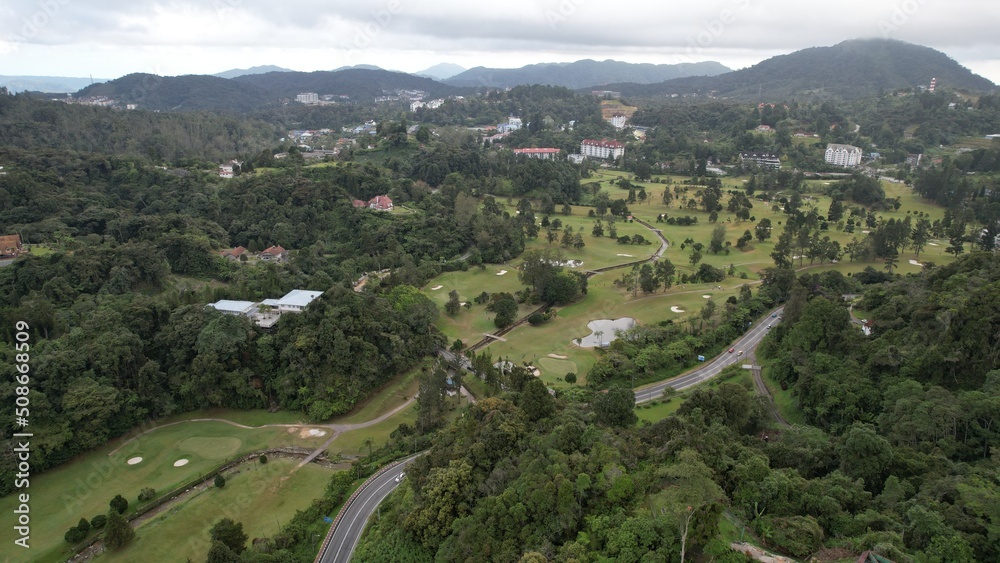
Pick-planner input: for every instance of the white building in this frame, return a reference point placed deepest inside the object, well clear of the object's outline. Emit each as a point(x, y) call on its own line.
point(602, 149)
point(307, 98)
point(540, 153)
point(618, 120)
point(843, 155)
point(294, 301)
point(228, 307)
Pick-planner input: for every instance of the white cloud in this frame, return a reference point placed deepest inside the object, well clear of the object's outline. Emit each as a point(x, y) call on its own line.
point(184, 36)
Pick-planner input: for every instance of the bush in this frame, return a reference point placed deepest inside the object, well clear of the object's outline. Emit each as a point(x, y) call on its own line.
point(119, 504)
point(83, 526)
point(220, 481)
point(570, 378)
point(262, 459)
point(98, 522)
point(536, 318)
point(74, 535)
point(147, 493)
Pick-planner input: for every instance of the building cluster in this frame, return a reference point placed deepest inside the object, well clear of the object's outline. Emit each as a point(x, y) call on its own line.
point(267, 312)
point(378, 203)
point(274, 253)
point(843, 155)
point(228, 169)
point(429, 104)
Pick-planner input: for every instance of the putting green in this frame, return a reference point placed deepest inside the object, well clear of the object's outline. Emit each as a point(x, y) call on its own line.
point(210, 448)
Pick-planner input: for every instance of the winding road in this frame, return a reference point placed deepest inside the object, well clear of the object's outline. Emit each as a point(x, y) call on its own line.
point(747, 343)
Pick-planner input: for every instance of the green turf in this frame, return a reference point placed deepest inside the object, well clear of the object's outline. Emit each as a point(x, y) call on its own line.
point(784, 400)
point(661, 409)
point(352, 443)
point(82, 488)
point(262, 497)
point(390, 396)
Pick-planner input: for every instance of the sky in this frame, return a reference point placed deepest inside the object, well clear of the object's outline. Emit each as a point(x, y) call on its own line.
point(111, 38)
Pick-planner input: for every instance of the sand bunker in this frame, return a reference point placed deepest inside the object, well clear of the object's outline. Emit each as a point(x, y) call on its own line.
point(915, 263)
point(134, 460)
point(501, 272)
point(933, 244)
point(436, 287)
point(534, 371)
point(676, 309)
point(558, 356)
point(626, 255)
point(180, 463)
point(609, 330)
point(707, 296)
point(865, 232)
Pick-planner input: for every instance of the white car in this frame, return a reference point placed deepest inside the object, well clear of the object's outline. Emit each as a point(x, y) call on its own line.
point(400, 476)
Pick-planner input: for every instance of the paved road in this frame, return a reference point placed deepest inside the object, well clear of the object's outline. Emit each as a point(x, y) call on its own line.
point(355, 516)
point(748, 342)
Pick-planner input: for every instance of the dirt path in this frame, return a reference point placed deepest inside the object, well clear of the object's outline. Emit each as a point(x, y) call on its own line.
point(758, 382)
point(335, 427)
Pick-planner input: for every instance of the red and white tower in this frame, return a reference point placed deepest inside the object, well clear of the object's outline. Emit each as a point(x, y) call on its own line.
point(933, 85)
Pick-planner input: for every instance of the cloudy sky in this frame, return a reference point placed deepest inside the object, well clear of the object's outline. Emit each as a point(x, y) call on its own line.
point(110, 38)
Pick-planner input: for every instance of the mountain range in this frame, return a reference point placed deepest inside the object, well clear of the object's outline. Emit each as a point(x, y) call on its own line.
point(581, 74)
point(233, 73)
point(848, 70)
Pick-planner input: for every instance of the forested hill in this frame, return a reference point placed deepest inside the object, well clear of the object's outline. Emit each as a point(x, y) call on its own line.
point(849, 70)
point(583, 73)
point(31, 124)
point(173, 93)
point(359, 84)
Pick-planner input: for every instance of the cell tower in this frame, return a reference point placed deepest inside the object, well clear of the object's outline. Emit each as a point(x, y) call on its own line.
point(933, 85)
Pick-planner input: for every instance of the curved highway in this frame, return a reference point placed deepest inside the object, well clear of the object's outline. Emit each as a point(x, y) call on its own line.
point(346, 531)
point(747, 343)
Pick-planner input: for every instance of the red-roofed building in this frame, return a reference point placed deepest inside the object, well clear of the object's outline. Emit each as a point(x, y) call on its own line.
point(602, 149)
point(541, 153)
point(10, 246)
point(234, 253)
point(359, 204)
point(380, 203)
point(274, 254)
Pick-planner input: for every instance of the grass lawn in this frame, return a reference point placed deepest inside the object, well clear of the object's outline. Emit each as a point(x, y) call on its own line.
point(262, 497)
point(786, 403)
point(655, 411)
point(352, 443)
point(470, 324)
point(390, 396)
point(83, 487)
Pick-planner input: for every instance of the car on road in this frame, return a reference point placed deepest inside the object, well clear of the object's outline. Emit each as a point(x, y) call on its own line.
point(731, 350)
point(768, 326)
point(400, 476)
point(740, 353)
point(774, 315)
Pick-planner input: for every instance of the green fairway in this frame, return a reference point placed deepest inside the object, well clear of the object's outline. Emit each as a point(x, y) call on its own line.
point(352, 443)
point(390, 396)
point(262, 497)
point(83, 487)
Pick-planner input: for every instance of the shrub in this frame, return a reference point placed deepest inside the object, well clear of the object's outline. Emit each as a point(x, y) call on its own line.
point(570, 378)
point(147, 493)
point(119, 504)
point(220, 481)
point(74, 535)
point(536, 318)
point(262, 459)
point(98, 522)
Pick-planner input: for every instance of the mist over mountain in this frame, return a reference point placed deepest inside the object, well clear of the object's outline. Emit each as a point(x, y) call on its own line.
point(583, 73)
